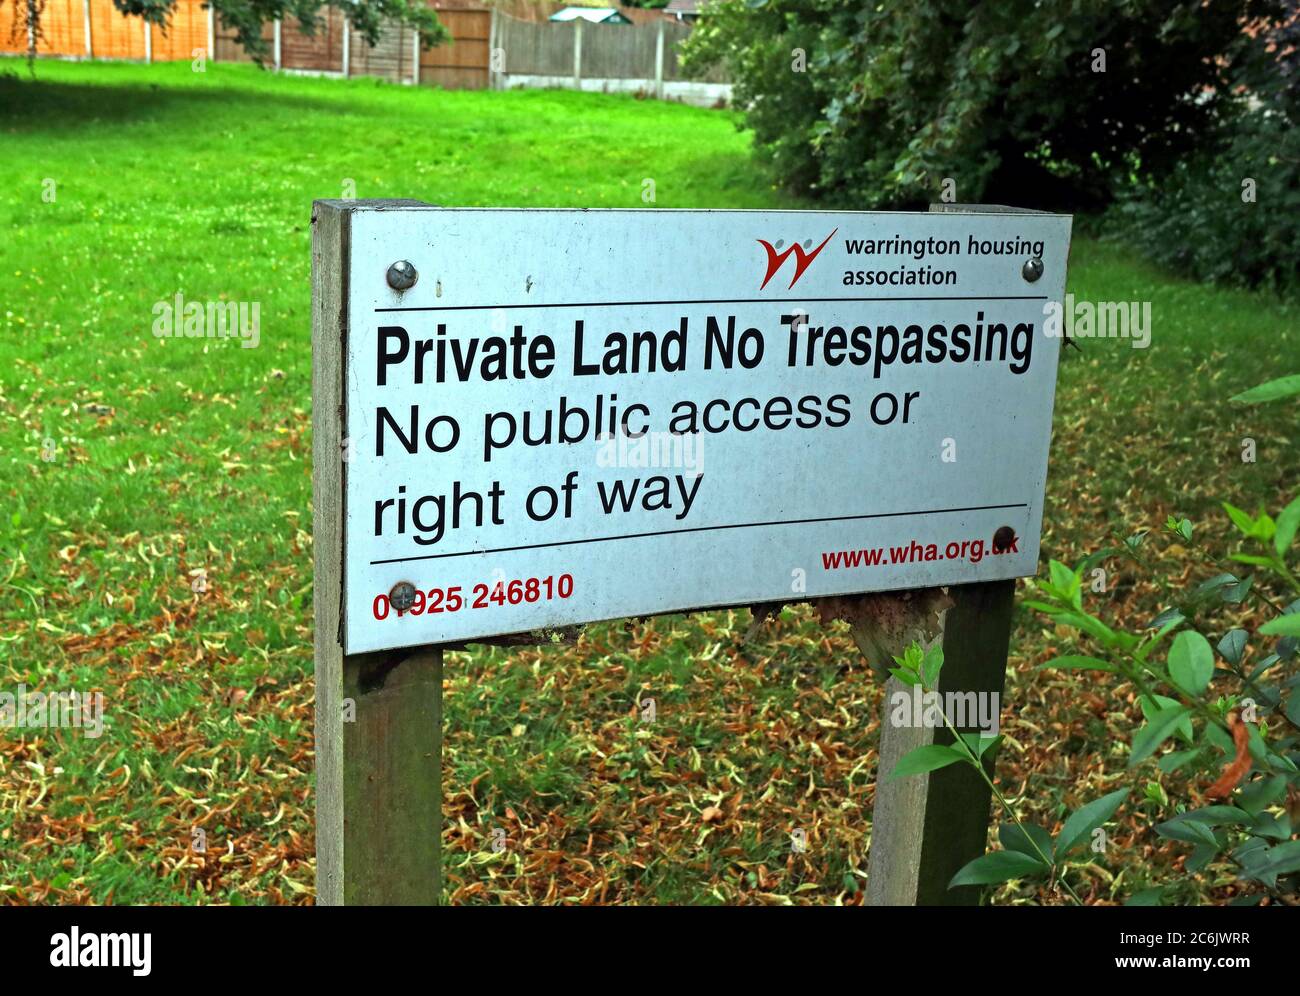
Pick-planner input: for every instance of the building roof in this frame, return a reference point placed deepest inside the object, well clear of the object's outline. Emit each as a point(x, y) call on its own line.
point(597, 15)
point(683, 7)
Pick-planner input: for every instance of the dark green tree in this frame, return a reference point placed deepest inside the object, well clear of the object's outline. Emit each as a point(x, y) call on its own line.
point(1034, 102)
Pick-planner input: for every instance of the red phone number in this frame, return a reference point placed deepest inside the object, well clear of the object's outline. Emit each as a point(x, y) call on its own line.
point(503, 593)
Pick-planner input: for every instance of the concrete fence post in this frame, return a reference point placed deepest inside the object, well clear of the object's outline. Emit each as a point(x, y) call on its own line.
point(577, 53)
point(85, 17)
point(494, 39)
point(659, 61)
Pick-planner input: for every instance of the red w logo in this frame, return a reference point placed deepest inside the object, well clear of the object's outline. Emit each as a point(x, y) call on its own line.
point(802, 259)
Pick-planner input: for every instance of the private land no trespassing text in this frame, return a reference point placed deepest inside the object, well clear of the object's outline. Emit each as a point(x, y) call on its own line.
point(456, 353)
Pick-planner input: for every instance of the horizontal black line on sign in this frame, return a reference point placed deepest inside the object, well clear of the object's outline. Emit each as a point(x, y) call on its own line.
point(721, 300)
point(698, 529)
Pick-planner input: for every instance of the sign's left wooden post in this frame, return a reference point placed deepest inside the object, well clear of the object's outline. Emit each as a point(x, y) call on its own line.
point(378, 716)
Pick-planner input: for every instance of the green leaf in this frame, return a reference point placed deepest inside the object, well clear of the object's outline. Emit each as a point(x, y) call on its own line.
point(1244, 523)
point(978, 743)
point(906, 675)
point(1091, 625)
point(1068, 583)
point(1214, 815)
point(1236, 594)
point(1168, 619)
point(1251, 558)
point(1191, 662)
point(1075, 662)
point(1262, 793)
point(932, 757)
point(1292, 711)
point(998, 867)
point(1284, 859)
point(1270, 826)
point(1156, 731)
point(1014, 838)
point(1085, 819)
point(1176, 759)
point(1271, 390)
point(1287, 525)
point(1151, 706)
point(1201, 856)
point(1233, 645)
point(1282, 626)
point(1191, 831)
point(1147, 897)
point(1220, 583)
point(932, 664)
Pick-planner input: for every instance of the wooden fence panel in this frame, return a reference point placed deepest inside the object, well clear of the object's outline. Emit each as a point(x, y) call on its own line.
point(186, 30)
point(537, 49)
point(388, 59)
point(63, 30)
point(318, 52)
point(229, 50)
point(462, 65)
point(115, 35)
point(618, 51)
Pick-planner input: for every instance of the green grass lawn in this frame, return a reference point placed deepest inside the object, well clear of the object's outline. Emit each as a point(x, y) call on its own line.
point(174, 457)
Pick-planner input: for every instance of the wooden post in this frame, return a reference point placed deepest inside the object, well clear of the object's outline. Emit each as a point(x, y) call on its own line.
point(659, 61)
point(924, 828)
point(378, 716)
point(85, 20)
point(577, 53)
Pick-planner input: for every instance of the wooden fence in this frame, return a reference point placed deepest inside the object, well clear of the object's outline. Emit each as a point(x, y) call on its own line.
point(571, 50)
point(646, 51)
point(95, 29)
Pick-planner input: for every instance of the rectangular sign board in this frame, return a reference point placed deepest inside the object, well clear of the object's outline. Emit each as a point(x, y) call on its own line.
point(577, 415)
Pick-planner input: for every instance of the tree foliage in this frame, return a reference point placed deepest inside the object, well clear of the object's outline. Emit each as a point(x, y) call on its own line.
point(1036, 102)
point(1230, 212)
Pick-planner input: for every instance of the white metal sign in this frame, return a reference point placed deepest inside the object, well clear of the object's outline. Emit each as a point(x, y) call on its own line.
point(581, 415)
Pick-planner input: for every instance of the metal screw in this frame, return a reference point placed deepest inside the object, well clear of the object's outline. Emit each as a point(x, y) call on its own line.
point(402, 597)
point(1003, 539)
point(402, 275)
point(1031, 271)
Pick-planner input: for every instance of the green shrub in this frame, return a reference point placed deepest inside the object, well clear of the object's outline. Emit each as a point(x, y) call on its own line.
point(1231, 216)
point(1041, 103)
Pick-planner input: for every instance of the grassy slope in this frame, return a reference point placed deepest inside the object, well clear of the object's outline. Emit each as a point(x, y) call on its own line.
point(201, 183)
